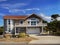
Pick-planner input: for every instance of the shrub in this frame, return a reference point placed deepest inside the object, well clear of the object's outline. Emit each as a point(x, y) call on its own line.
point(7, 36)
point(1, 31)
point(13, 35)
point(22, 35)
point(27, 35)
point(57, 33)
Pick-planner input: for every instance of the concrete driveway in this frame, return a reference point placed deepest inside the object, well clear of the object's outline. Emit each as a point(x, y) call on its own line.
point(46, 40)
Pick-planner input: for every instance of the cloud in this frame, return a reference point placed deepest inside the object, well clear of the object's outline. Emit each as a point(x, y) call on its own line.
point(16, 10)
point(2, 0)
point(22, 10)
point(32, 9)
point(13, 6)
point(1, 14)
point(1, 22)
point(48, 18)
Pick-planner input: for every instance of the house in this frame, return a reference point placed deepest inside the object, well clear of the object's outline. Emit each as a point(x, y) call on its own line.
point(32, 24)
point(58, 18)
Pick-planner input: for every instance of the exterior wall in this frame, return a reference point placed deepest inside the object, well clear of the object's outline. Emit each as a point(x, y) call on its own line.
point(58, 18)
point(11, 25)
point(25, 23)
point(7, 26)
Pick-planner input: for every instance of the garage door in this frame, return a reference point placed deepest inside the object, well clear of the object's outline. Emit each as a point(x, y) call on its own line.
point(33, 31)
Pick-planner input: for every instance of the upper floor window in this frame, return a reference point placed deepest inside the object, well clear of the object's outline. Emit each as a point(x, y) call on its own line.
point(21, 22)
point(9, 21)
point(33, 19)
point(33, 22)
point(28, 22)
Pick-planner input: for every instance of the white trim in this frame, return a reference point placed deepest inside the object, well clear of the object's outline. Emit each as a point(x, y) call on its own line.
point(32, 20)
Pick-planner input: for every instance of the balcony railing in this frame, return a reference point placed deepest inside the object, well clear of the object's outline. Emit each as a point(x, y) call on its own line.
point(23, 25)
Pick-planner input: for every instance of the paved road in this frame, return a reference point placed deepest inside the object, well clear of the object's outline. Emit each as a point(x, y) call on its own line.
point(13, 43)
point(22, 43)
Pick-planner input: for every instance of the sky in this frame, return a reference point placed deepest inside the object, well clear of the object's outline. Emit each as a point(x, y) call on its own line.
point(44, 8)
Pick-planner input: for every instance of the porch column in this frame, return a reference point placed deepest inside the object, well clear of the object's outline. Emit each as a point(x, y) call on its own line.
point(15, 30)
point(26, 30)
point(42, 29)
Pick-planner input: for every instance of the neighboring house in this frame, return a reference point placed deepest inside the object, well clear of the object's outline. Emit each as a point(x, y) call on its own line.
point(58, 18)
point(32, 24)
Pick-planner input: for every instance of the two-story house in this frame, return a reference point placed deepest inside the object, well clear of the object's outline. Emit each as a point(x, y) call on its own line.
point(32, 24)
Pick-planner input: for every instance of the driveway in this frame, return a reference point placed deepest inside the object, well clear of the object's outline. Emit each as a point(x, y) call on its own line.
point(46, 40)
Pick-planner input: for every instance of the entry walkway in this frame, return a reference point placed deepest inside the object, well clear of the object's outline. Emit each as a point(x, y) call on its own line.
point(46, 40)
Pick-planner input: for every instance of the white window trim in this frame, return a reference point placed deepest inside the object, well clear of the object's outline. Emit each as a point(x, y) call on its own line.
point(33, 20)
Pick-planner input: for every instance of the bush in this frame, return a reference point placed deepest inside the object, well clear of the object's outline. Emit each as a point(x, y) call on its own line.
point(22, 35)
point(1, 31)
point(57, 33)
point(13, 35)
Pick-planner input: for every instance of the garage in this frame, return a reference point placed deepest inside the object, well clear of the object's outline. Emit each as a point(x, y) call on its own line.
point(33, 30)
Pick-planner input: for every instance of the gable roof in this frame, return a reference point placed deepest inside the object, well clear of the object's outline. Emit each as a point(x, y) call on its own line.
point(23, 17)
point(34, 15)
point(15, 17)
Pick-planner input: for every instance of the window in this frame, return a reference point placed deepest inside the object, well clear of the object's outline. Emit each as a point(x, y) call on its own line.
point(33, 19)
point(28, 22)
point(21, 22)
point(33, 22)
point(17, 30)
point(9, 21)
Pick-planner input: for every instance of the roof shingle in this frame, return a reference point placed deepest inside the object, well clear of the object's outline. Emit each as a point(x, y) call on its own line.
point(15, 17)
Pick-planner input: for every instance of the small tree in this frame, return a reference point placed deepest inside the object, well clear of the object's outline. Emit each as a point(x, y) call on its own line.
point(1, 30)
point(54, 16)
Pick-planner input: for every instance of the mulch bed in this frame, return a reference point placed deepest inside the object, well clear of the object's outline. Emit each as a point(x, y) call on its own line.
point(23, 39)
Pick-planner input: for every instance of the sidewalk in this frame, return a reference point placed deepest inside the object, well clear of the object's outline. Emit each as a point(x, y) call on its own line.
point(46, 40)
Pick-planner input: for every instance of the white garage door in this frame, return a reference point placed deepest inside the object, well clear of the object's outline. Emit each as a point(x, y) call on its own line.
point(33, 31)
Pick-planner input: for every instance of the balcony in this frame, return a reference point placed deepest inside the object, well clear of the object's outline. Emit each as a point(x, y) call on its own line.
point(27, 25)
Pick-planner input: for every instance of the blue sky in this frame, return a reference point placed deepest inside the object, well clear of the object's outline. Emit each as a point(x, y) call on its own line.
point(44, 8)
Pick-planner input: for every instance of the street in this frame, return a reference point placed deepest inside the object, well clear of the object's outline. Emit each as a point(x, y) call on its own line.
point(22, 43)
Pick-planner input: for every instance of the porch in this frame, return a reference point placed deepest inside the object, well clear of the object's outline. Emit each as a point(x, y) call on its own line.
point(29, 30)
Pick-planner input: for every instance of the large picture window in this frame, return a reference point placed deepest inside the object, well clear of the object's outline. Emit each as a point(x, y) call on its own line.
point(33, 21)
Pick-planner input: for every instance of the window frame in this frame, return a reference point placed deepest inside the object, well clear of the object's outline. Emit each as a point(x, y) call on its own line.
point(21, 21)
point(9, 21)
